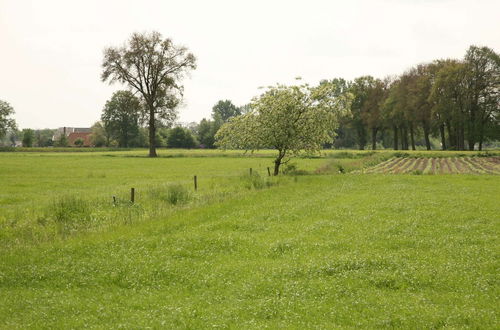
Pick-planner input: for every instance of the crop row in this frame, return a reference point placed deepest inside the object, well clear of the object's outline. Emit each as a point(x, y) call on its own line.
point(455, 165)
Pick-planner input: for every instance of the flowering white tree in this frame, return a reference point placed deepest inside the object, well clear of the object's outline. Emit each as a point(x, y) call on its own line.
point(289, 119)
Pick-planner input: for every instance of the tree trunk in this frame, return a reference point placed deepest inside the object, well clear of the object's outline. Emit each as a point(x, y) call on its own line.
point(461, 138)
point(374, 138)
point(471, 129)
point(277, 162)
point(361, 137)
point(404, 138)
point(481, 137)
point(451, 137)
point(412, 137)
point(152, 133)
point(395, 137)
point(443, 138)
point(472, 143)
point(425, 126)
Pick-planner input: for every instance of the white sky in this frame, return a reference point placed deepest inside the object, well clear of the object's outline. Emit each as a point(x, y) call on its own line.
point(51, 51)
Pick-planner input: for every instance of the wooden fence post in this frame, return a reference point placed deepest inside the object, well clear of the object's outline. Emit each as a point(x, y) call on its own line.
point(250, 171)
point(268, 171)
point(132, 195)
point(195, 183)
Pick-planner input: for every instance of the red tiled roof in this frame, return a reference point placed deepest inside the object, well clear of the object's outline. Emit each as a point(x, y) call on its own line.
point(72, 137)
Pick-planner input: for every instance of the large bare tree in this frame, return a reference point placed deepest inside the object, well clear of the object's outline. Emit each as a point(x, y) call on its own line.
point(153, 67)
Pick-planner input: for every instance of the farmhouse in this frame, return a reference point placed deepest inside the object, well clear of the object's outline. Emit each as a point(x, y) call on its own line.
point(73, 134)
point(84, 136)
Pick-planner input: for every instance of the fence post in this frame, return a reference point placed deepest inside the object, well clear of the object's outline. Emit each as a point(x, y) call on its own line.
point(195, 183)
point(250, 171)
point(268, 171)
point(114, 200)
point(132, 195)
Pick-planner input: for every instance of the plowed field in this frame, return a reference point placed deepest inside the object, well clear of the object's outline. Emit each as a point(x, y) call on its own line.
point(455, 165)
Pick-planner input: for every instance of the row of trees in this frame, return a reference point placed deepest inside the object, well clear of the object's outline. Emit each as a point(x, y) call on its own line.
point(456, 101)
point(123, 124)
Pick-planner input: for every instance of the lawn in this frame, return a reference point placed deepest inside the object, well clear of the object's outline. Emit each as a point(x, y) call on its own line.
point(321, 251)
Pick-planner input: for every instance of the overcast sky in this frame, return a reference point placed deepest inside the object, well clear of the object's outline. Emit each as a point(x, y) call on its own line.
point(51, 51)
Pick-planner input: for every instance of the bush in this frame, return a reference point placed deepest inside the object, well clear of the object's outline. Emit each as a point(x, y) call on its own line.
point(173, 194)
point(401, 154)
point(255, 181)
point(291, 169)
point(70, 213)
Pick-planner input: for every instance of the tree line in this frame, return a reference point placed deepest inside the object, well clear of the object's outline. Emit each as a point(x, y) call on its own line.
point(454, 101)
point(449, 104)
point(122, 125)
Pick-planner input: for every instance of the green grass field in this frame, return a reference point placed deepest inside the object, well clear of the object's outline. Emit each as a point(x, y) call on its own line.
point(323, 250)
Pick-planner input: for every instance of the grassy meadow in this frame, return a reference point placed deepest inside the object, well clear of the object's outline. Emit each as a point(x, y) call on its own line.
point(324, 246)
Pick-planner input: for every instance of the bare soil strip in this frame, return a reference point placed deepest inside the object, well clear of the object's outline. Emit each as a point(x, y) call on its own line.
point(484, 166)
point(452, 165)
point(473, 166)
point(492, 163)
point(402, 166)
point(393, 164)
point(433, 165)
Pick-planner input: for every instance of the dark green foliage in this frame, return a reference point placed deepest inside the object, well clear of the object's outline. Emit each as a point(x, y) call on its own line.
point(62, 141)
point(43, 137)
point(224, 110)
point(100, 136)
point(6, 122)
point(28, 137)
point(451, 102)
point(120, 118)
point(78, 142)
point(206, 133)
point(180, 137)
point(165, 65)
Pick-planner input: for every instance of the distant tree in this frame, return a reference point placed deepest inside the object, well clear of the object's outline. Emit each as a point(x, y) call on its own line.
point(154, 67)
point(62, 141)
point(180, 137)
point(79, 142)
point(99, 136)
point(206, 131)
point(6, 122)
point(449, 98)
point(245, 108)
point(483, 91)
point(121, 117)
point(394, 112)
point(224, 110)
point(43, 137)
point(359, 88)
point(371, 114)
point(28, 137)
point(289, 119)
point(14, 135)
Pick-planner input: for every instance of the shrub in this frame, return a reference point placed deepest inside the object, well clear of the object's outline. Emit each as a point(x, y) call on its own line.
point(291, 169)
point(79, 142)
point(69, 213)
point(401, 154)
point(173, 194)
point(255, 181)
